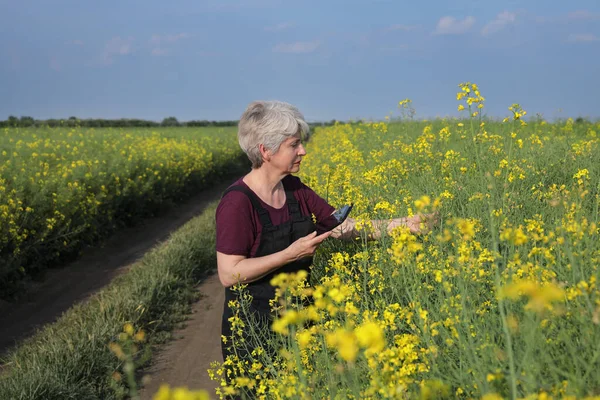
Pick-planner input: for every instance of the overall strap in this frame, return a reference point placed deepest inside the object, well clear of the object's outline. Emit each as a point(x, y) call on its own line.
point(293, 206)
point(263, 214)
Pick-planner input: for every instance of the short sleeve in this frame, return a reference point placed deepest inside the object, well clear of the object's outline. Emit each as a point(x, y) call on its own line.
point(235, 229)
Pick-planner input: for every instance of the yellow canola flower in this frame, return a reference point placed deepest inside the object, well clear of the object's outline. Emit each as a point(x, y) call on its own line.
point(581, 175)
point(285, 280)
point(422, 203)
point(540, 297)
point(117, 350)
point(128, 329)
point(370, 336)
point(304, 338)
point(139, 336)
point(290, 317)
point(350, 308)
point(384, 206)
point(345, 342)
point(180, 393)
point(492, 396)
point(466, 228)
point(514, 235)
point(336, 295)
point(404, 245)
point(433, 389)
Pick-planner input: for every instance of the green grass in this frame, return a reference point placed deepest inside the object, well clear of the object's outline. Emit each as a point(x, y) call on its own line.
point(70, 359)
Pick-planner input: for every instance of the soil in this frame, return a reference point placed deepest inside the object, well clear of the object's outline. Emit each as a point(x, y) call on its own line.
point(183, 362)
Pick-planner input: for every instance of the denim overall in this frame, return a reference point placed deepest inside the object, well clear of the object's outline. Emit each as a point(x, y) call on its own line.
point(273, 239)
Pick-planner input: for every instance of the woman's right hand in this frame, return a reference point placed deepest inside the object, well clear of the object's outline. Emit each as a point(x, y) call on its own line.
point(306, 246)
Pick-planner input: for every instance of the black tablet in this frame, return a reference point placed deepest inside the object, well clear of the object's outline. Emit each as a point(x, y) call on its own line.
point(334, 220)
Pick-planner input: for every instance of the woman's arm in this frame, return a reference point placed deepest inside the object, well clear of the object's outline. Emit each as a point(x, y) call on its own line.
point(347, 230)
point(234, 268)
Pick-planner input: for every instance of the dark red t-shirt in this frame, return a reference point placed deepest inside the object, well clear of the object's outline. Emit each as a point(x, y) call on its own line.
point(238, 225)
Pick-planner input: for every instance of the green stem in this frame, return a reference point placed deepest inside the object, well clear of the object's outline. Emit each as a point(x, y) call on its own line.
point(507, 335)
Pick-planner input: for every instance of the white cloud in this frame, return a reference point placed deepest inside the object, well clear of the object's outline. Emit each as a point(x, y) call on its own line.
point(502, 20)
point(582, 14)
point(279, 27)
point(451, 26)
point(583, 37)
point(297, 47)
point(117, 47)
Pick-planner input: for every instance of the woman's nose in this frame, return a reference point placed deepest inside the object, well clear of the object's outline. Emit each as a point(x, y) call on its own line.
point(301, 150)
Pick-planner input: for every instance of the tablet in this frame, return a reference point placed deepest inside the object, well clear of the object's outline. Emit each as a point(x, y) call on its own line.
point(335, 220)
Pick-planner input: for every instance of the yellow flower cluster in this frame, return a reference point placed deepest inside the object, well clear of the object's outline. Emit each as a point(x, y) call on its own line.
point(469, 92)
point(504, 286)
point(540, 297)
point(60, 189)
point(180, 393)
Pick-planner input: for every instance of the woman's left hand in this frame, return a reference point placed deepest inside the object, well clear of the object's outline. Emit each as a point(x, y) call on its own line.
point(423, 223)
point(418, 224)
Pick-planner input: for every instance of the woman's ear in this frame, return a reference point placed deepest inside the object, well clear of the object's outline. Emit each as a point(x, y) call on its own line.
point(266, 154)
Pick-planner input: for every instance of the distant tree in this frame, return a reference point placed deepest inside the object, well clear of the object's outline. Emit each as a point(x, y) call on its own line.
point(72, 122)
point(52, 123)
point(102, 123)
point(170, 121)
point(26, 121)
point(197, 123)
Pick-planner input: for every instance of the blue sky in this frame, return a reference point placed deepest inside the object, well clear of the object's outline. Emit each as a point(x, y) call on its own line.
point(351, 59)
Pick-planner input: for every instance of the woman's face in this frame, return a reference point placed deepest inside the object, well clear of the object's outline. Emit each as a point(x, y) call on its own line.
point(290, 154)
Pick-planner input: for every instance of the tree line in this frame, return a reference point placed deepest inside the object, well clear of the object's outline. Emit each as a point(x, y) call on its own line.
point(26, 121)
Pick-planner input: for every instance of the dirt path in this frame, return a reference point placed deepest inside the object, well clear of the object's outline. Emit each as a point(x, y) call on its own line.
point(63, 287)
point(185, 360)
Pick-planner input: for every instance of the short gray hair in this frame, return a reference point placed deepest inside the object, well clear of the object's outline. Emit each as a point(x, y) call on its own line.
point(268, 123)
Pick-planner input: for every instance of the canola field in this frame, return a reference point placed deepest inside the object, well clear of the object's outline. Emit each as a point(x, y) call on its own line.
point(499, 300)
point(63, 188)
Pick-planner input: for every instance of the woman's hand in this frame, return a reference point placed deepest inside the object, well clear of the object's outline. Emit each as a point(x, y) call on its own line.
point(306, 246)
point(421, 223)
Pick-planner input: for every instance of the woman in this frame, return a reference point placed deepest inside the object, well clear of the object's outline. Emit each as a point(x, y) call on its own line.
point(264, 224)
